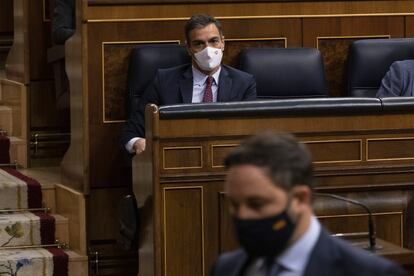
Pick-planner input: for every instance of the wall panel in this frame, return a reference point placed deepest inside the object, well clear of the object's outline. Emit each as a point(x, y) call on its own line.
point(333, 35)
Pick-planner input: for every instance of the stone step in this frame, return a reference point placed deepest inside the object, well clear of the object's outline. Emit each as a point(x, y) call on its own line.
point(6, 120)
point(37, 261)
point(48, 178)
point(28, 229)
point(78, 264)
point(62, 229)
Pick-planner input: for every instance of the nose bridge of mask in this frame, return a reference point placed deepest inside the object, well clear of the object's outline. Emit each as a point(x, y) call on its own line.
point(208, 52)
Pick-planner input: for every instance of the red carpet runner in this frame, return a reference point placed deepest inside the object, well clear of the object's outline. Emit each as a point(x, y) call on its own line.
point(4, 149)
point(34, 190)
point(60, 262)
point(27, 228)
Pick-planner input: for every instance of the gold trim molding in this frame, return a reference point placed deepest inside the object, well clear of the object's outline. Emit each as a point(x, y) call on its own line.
point(337, 141)
point(349, 36)
point(179, 148)
point(258, 39)
point(291, 16)
point(387, 139)
point(219, 146)
point(137, 42)
point(45, 19)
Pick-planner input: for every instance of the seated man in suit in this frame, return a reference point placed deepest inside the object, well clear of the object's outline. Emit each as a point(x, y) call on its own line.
point(398, 81)
point(63, 21)
point(269, 187)
point(205, 80)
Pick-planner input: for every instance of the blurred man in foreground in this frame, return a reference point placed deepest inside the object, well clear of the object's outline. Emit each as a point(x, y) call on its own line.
point(269, 186)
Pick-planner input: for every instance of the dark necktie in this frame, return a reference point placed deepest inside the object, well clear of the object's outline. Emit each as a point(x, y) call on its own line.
point(208, 93)
point(273, 269)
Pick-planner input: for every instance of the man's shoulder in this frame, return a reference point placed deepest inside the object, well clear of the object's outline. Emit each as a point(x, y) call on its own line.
point(236, 72)
point(407, 64)
point(228, 262)
point(360, 260)
point(174, 70)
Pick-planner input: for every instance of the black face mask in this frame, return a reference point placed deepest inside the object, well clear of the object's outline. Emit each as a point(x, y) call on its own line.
point(265, 237)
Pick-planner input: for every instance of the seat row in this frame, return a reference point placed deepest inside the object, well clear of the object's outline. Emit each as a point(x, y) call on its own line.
point(283, 72)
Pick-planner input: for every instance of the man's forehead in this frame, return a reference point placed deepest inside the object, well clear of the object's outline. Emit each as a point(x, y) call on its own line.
point(211, 29)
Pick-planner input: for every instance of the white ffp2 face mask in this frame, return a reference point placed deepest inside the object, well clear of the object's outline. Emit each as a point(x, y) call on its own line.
point(209, 58)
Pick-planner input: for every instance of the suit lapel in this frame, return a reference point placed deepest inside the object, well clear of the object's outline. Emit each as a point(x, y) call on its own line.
point(225, 85)
point(324, 257)
point(240, 265)
point(186, 85)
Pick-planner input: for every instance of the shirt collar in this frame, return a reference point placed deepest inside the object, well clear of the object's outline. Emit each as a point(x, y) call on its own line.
point(200, 78)
point(297, 255)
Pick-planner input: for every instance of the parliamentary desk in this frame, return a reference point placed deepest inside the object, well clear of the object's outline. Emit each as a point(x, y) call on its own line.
point(363, 149)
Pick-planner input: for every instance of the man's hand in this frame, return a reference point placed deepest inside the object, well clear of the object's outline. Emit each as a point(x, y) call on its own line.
point(139, 146)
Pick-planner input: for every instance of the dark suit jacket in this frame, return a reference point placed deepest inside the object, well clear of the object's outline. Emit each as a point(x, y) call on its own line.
point(330, 257)
point(399, 80)
point(63, 21)
point(175, 86)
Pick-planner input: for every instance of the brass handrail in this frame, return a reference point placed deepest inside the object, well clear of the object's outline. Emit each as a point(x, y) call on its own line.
point(37, 139)
point(56, 244)
point(15, 164)
point(44, 209)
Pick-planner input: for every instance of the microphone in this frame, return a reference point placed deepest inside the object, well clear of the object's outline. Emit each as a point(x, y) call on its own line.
point(372, 245)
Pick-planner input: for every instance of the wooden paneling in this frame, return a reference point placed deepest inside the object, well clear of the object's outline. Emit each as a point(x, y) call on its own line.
point(115, 59)
point(389, 226)
point(335, 151)
point(184, 254)
point(71, 204)
point(17, 63)
point(76, 160)
point(257, 9)
point(6, 17)
point(228, 240)
point(183, 158)
point(341, 166)
point(386, 148)
point(219, 152)
point(43, 109)
point(104, 231)
point(409, 26)
point(14, 95)
point(39, 41)
point(332, 36)
point(6, 31)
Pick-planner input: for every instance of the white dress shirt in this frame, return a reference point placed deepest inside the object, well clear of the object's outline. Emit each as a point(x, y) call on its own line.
point(199, 85)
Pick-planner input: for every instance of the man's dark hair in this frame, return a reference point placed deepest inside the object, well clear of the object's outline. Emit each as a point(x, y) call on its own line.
point(199, 21)
point(286, 162)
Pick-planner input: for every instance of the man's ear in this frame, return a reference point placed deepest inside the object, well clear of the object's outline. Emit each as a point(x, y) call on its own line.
point(224, 43)
point(303, 194)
